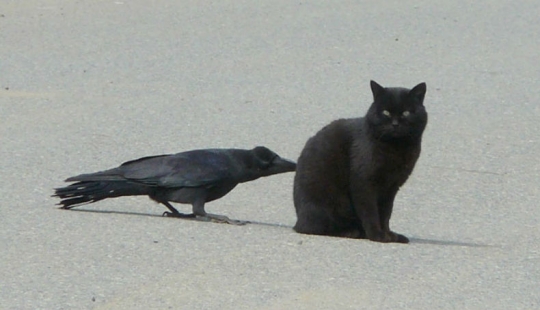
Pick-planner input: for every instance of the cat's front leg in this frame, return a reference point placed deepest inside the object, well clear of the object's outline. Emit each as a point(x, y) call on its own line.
point(386, 204)
point(365, 205)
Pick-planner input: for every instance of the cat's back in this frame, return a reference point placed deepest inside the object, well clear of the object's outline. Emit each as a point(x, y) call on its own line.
point(321, 180)
point(324, 163)
point(333, 140)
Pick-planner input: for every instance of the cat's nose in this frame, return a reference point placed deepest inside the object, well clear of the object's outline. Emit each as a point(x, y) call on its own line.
point(395, 123)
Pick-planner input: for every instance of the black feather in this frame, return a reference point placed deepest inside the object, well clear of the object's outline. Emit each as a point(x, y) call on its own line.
point(193, 177)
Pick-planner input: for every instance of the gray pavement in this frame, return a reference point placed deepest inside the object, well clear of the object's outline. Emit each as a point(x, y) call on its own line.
point(86, 85)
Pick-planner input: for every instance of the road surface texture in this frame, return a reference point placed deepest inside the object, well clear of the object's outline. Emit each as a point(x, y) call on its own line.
point(87, 85)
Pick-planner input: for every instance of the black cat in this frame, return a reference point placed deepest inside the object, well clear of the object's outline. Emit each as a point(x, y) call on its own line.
point(349, 173)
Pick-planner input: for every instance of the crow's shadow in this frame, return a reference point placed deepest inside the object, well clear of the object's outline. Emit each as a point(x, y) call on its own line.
point(413, 240)
point(157, 215)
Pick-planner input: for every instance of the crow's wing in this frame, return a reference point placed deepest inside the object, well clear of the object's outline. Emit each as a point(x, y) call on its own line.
point(188, 169)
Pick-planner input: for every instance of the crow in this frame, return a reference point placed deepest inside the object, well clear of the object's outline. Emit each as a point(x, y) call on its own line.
point(193, 177)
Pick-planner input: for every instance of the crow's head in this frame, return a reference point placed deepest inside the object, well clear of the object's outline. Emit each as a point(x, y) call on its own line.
point(267, 162)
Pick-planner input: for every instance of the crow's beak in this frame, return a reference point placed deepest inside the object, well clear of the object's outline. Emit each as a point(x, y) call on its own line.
point(280, 165)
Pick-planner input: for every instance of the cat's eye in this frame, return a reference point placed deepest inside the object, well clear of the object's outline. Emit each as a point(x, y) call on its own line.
point(406, 113)
point(386, 113)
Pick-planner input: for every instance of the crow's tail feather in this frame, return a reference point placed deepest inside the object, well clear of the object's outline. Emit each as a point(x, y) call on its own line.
point(91, 191)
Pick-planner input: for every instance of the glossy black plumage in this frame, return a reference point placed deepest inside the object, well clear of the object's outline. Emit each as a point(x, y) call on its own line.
point(192, 177)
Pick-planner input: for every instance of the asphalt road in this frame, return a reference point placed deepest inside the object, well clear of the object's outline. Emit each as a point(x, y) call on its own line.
point(86, 85)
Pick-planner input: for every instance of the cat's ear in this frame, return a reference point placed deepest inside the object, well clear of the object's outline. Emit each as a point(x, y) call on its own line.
point(376, 89)
point(419, 91)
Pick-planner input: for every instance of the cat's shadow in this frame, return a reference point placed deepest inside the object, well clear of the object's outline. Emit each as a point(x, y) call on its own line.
point(448, 243)
point(413, 240)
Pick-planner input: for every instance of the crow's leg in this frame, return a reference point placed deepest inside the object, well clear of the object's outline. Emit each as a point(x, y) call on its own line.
point(174, 212)
point(198, 210)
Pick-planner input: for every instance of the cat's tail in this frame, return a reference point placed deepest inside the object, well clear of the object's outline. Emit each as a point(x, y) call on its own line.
point(91, 191)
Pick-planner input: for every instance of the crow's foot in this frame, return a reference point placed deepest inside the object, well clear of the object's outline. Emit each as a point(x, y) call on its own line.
point(178, 215)
point(221, 219)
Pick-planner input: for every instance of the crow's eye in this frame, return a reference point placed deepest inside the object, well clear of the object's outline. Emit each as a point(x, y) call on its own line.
point(386, 113)
point(406, 113)
point(265, 164)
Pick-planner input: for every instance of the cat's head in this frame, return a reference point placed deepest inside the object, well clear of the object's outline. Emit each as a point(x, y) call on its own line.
point(397, 114)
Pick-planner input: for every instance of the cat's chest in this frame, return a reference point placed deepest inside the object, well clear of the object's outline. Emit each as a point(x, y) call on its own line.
point(395, 157)
point(386, 165)
point(394, 165)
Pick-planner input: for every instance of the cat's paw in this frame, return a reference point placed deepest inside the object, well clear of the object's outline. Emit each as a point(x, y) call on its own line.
point(387, 237)
point(399, 238)
point(379, 236)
